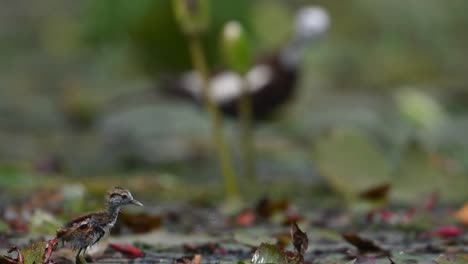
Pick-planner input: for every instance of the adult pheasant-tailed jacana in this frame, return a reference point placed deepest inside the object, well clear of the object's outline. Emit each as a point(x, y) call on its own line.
point(87, 230)
point(272, 80)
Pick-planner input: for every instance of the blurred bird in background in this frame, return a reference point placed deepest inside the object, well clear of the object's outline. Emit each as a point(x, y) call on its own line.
point(271, 81)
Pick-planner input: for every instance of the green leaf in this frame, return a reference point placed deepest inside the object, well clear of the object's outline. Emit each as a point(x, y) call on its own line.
point(350, 162)
point(421, 172)
point(268, 253)
point(34, 253)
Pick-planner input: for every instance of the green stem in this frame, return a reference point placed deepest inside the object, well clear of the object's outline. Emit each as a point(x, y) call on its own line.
point(248, 151)
point(224, 156)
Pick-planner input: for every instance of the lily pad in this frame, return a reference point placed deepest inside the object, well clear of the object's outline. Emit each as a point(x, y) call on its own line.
point(350, 162)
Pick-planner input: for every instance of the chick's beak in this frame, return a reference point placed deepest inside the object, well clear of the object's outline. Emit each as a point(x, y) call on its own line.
point(135, 202)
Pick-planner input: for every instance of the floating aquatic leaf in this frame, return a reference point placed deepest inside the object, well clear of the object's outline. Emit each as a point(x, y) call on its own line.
point(39, 252)
point(36, 253)
point(267, 253)
point(350, 162)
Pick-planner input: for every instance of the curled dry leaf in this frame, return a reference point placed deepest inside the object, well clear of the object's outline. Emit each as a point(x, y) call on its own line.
point(299, 239)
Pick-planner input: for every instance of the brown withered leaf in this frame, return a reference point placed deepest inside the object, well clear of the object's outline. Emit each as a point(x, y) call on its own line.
point(379, 192)
point(299, 239)
point(363, 245)
point(195, 259)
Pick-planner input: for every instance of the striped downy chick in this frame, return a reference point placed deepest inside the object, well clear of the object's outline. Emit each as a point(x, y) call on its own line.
point(86, 230)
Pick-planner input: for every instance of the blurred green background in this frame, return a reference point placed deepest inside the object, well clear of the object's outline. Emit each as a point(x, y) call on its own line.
point(382, 96)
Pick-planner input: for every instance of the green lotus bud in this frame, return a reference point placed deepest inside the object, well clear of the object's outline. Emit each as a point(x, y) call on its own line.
point(192, 15)
point(236, 47)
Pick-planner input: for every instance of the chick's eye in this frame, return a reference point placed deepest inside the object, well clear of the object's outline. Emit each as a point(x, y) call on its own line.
point(124, 196)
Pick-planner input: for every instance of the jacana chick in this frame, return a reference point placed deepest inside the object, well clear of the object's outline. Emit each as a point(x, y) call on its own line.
point(86, 230)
